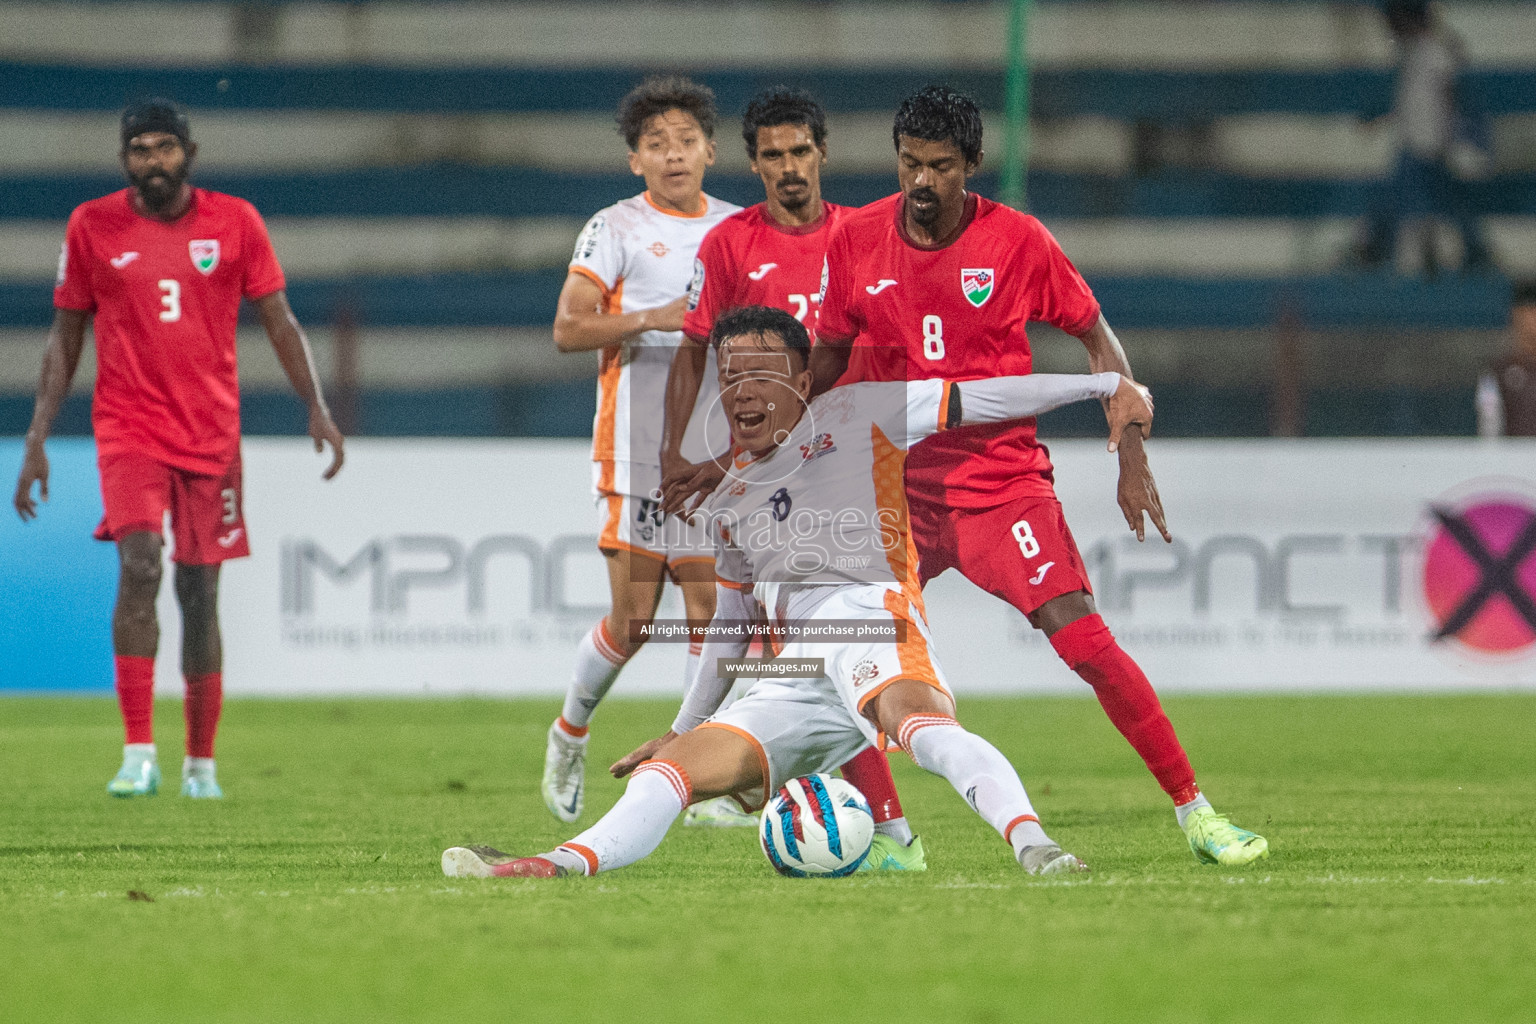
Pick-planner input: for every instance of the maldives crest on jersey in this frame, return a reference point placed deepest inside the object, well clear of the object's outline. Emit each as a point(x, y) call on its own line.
point(977, 285)
point(205, 254)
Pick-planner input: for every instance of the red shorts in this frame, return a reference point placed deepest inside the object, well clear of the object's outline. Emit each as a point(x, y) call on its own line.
point(207, 514)
point(1021, 551)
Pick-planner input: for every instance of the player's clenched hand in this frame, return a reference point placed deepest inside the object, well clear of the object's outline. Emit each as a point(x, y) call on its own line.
point(668, 317)
point(1131, 403)
point(323, 429)
point(629, 762)
point(1137, 492)
point(34, 469)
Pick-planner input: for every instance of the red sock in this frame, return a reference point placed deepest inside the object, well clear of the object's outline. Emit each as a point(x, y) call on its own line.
point(1090, 650)
point(205, 699)
point(136, 696)
point(870, 773)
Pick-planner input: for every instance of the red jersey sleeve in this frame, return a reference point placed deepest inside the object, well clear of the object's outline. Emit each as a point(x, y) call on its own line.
point(835, 318)
point(72, 287)
point(712, 290)
point(263, 275)
point(1062, 298)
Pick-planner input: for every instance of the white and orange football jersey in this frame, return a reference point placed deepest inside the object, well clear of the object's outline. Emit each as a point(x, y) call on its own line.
point(828, 506)
point(642, 256)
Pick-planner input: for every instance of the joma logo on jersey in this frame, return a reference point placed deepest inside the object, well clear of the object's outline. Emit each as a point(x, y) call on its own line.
point(977, 286)
point(205, 254)
point(657, 249)
point(821, 444)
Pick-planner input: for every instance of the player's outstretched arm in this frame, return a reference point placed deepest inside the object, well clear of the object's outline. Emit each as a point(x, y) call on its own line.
point(66, 339)
point(583, 325)
point(293, 351)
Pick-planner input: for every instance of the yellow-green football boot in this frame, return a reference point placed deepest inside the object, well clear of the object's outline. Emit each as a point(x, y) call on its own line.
point(1215, 840)
point(139, 775)
point(886, 854)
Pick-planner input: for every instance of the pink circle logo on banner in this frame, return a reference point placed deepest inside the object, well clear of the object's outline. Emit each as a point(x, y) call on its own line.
point(1480, 573)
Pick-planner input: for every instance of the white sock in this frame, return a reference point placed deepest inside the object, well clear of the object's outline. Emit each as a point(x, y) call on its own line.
point(635, 826)
point(1185, 810)
point(598, 660)
point(897, 829)
point(138, 752)
point(203, 766)
point(979, 772)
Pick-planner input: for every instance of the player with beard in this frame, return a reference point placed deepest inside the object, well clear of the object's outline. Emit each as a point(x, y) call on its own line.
point(936, 281)
point(161, 268)
point(771, 254)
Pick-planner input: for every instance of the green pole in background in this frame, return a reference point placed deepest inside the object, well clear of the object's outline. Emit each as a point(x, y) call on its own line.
point(1016, 113)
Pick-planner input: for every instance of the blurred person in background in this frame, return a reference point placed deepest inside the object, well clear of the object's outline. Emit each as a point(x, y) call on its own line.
point(1440, 143)
point(159, 268)
point(1506, 393)
point(624, 296)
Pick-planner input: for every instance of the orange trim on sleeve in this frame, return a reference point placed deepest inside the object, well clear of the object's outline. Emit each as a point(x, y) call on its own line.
point(944, 407)
point(762, 759)
point(729, 584)
point(703, 207)
point(591, 275)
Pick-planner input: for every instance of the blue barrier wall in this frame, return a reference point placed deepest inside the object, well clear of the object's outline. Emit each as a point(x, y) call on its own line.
point(56, 582)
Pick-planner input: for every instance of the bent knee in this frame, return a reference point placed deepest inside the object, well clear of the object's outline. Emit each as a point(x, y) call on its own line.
point(141, 574)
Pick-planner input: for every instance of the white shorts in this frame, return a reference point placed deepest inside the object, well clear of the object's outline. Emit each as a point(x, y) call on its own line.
point(635, 523)
point(801, 726)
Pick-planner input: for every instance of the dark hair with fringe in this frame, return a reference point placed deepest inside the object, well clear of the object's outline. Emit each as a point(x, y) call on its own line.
point(940, 114)
point(783, 105)
point(745, 320)
point(659, 94)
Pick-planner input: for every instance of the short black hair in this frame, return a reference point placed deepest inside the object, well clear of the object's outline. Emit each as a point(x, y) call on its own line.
point(155, 114)
point(940, 114)
point(746, 320)
point(659, 94)
point(782, 105)
point(1523, 293)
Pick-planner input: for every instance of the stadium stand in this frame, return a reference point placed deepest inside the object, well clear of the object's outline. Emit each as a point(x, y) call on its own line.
point(425, 167)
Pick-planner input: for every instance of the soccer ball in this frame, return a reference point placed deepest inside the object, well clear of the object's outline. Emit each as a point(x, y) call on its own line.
point(816, 826)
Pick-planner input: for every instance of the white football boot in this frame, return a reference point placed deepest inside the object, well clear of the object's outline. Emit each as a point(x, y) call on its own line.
point(565, 769)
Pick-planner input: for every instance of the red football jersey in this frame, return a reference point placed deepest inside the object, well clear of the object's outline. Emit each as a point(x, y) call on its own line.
point(750, 259)
point(166, 298)
point(956, 312)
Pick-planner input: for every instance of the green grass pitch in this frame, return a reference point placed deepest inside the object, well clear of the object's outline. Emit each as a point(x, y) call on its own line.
point(1400, 886)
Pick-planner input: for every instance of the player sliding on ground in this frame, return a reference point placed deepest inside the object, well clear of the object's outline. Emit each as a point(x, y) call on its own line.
point(771, 254)
point(937, 282)
point(810, 531)
point(624, 296)
point(161, 267)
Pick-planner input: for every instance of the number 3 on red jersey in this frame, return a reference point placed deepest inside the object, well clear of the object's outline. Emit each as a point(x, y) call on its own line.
point(170, 300)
